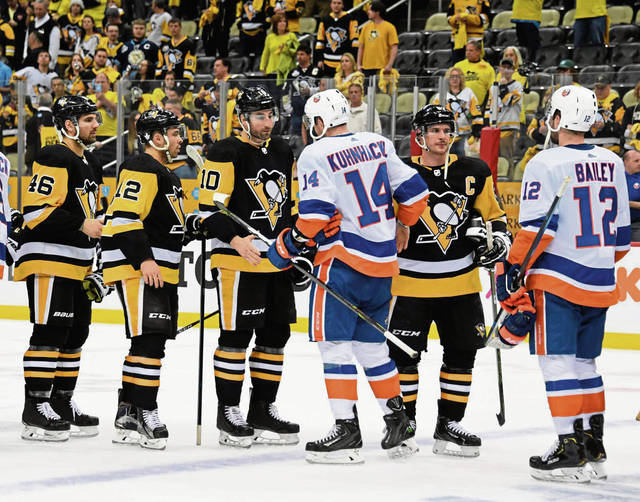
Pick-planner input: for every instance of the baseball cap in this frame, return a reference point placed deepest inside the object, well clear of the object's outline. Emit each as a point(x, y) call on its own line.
point(566, 64)
point(602, 80)
point(506, 62)
point(112, 12)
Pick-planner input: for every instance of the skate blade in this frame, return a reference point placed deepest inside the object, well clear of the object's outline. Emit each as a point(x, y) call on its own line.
point(124, 436)
point(350, 456)
point(152, 444)
point(31, 433)
point(441, 447)
point(263, 436)
point(405, 449)
point(226, 439)
point(562, 475)
point(87, 431)
point(597, 470)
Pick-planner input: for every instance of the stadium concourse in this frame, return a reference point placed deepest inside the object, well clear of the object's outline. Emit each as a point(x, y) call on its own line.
point(94, 469)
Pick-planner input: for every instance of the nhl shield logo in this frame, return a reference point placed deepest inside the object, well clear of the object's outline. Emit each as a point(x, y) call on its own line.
point(270, 188)
point(441, 217)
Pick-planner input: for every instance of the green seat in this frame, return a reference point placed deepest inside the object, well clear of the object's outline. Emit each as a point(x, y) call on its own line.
point(437, 22)
point(503, 167)
point(383, 102)
point(405, 102)
point(550, 17)
point(629, 99)
point(307, 25)
point(569, 18)
point(234, 31)
point(189, 28)
point(620, 14)
point(531, 102)
point(502, 20)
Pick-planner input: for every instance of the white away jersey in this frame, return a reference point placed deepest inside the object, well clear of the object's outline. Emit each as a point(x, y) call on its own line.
point(590, 228)
point(359, 175)
point(5, 210)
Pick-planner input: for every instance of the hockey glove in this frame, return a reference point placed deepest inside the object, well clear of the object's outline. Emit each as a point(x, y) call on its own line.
point(510, 295)
point(513, 330)
point(486, 257)
point(300, 281)
point(192, 228)
point(17, 220)
point(95, 288)
point(287, 245)
point(330, 229)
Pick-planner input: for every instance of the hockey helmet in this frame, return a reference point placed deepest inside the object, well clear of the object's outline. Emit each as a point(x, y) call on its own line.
point(156, 120)
point(331, 106)
point(577, 106)
point(432, 115)
point(253, 99)
point(71, 108)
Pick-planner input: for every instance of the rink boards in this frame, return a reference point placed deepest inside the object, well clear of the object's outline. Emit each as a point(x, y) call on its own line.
point(622, 328)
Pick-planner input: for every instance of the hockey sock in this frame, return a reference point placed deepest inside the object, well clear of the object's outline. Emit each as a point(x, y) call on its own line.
point(67, 371)
point(141, 381)
point(228, 366)
point(342, 388)
point(40, 364)
point(592, 390)
point(265, 365)
point(564, 392)
point(455, 386)
point(409, 386)
point(384, 382)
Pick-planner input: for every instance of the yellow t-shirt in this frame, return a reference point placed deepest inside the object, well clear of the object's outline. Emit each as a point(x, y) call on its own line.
point(479, 77)
point(271, 53)
point(109, 125)
point(527, 10)
point(376, 41)
point(590, 8)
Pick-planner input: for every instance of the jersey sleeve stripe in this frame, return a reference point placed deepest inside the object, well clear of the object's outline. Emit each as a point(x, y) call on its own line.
point(316, 209)
point(537, 223)
point(411, 190)
point(378, 249)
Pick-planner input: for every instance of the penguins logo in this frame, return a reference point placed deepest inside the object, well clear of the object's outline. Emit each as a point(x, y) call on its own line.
point(270, 188)
point(443, 214)
point(88, 198)
point(335, 37)
point(175, 201)
point(249, 10)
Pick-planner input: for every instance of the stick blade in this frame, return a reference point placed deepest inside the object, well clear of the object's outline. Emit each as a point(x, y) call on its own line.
point(500, 417)
point(194, 155)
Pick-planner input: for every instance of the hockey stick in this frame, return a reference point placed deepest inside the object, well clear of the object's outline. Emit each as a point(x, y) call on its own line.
point(194, 155)
point(520, 277)
point(371, 322)
point(494, 304)
point(201, 341)
point(195, 323)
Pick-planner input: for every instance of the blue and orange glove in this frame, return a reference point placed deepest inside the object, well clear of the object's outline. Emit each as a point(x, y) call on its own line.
point(509, 293)
point(288, 244)
point(330, 229)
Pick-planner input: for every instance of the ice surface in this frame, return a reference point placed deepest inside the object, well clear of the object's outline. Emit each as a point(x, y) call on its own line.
point(95, 470)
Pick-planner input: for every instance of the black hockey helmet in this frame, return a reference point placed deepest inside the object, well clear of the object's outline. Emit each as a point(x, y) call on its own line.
point(431, 115)
point(155, 119)
point(71, 108)
point(253, 99)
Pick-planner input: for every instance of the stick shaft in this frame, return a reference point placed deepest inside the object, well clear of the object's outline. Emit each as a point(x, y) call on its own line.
point(203, 261)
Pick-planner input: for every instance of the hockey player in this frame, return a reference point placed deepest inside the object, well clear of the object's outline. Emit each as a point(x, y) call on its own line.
point(439, 276)
point(571, 278)
point(143, 235)
point(55, 257)
point(143, 239)
point(5, 212)
point(347, 173)
point(251, 174)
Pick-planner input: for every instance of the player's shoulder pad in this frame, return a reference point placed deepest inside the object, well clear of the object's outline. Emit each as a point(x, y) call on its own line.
point(277, 144)
point(225, 150)
point(472, 165)
point(57, 155)
point(93, 161)
point(142, 163)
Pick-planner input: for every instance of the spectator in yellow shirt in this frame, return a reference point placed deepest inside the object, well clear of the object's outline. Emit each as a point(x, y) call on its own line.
point(590, 26)
point(468, 20)
point(280, 44)
point(378, 42)
point(479, 75)
point(527, 16)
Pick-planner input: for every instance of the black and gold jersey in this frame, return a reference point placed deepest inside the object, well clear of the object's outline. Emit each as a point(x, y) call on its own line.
point(255, 184)
point(70, 33)
point(179, 56)
point(252, 16)
point(145, 220)
point(439, 261)
point(63, 191)
point(337, 35)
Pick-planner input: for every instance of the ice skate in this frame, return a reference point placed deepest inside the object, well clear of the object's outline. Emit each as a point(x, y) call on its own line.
point(565, 461)
point(81, 424)
point(594, 448)
point(340, 446)
point(269, 427)
point(453, 439)
point(399, 434)
point(153, 433)
point(126, 423)
point(234, 430)
point(41, 422)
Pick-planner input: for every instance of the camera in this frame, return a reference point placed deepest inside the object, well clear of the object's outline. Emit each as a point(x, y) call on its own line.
point(528, 68)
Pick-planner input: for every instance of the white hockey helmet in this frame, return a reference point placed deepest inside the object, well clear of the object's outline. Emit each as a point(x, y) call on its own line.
point(577, 105)
point(331, 106)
